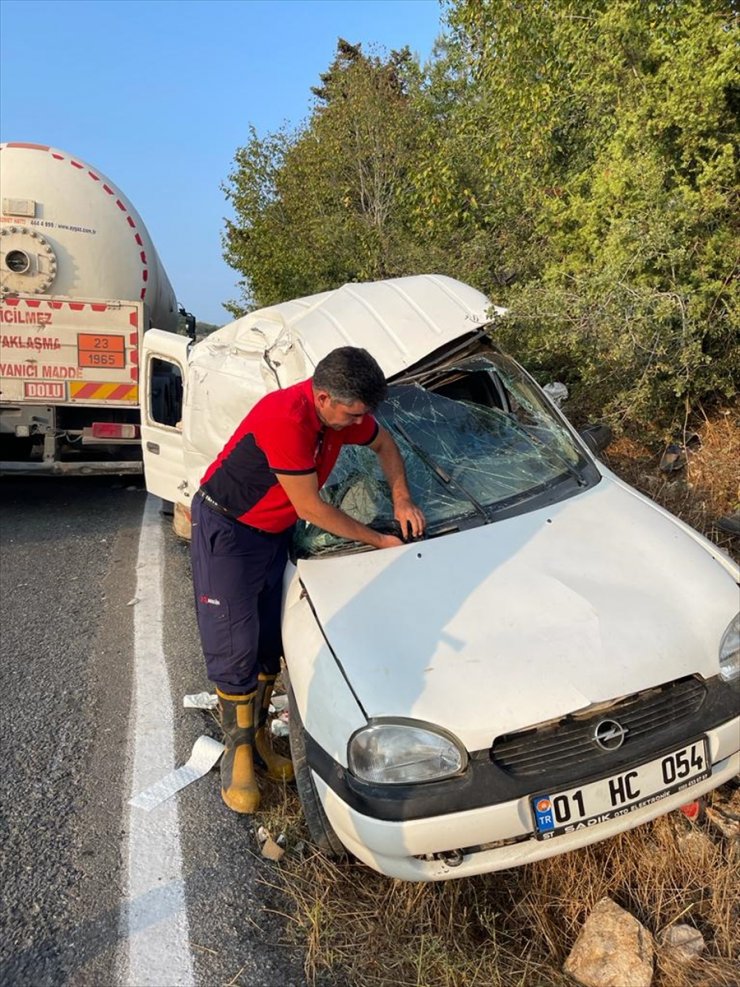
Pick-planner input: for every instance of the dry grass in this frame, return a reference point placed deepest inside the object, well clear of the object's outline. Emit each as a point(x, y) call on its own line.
point(515, 928)
point(707, 488)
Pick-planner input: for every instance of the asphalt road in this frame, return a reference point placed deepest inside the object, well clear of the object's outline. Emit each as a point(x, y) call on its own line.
point(68, 573)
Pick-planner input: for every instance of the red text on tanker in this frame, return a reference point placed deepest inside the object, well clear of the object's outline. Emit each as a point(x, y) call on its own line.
point(34, 370)
point(31, 342)
point(20, 316)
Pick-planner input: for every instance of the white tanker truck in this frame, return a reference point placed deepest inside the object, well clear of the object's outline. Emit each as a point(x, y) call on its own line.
point(80, 283)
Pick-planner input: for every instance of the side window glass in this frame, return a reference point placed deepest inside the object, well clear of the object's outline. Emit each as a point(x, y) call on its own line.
point(165, 393)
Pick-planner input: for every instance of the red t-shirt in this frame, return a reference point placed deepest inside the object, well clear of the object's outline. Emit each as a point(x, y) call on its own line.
point(281, 434)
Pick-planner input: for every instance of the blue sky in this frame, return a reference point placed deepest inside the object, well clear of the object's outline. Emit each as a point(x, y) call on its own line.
point(158, 94)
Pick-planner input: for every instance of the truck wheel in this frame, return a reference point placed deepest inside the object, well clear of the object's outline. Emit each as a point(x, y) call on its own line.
point(319, 826)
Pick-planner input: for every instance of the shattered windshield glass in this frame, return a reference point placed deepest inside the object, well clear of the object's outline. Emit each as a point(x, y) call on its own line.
point(478, 438)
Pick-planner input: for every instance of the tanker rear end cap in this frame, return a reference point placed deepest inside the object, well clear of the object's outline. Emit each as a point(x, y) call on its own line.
point(27, 261)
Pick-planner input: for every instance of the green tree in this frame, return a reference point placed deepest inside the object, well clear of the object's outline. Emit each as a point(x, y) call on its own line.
point(606, 132)
point(574, 160)
point(325, 205)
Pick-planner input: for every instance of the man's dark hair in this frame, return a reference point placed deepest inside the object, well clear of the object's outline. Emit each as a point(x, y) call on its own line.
point(350, 374)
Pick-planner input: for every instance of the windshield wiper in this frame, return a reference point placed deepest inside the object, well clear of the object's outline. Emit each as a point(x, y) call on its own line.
point(441, 474)
point(392, 527)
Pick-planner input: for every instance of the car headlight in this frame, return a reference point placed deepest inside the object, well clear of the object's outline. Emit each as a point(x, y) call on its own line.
point(729, 651)
point(403, 752)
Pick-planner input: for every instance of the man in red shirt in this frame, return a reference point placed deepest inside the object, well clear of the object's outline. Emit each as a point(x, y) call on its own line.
point(266, 477)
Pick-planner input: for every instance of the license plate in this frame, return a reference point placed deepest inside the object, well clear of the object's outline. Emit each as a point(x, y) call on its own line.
point(620, 794)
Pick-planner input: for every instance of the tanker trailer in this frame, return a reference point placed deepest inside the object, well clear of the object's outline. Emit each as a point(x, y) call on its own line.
point(80, 283)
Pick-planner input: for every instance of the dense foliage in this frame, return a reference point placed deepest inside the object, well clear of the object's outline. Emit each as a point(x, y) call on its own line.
point(574, 160)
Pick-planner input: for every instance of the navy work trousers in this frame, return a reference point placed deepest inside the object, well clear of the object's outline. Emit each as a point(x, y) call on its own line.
point(238, 583)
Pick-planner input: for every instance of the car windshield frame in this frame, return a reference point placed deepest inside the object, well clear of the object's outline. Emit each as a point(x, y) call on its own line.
point(480, 441)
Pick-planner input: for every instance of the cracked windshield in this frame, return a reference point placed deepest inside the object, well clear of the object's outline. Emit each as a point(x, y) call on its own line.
point(482, 440)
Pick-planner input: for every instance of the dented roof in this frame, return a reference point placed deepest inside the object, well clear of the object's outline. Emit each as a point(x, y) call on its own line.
point(399, 320)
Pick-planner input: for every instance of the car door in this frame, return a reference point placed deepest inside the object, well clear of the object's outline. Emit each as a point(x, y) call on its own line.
point(163, 379)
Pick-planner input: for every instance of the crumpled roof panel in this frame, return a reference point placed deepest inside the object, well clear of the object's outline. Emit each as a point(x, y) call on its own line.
point(399, 320)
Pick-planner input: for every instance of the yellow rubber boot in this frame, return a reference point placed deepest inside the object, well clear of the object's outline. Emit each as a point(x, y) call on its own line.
point(238, 784)
point(266, 760)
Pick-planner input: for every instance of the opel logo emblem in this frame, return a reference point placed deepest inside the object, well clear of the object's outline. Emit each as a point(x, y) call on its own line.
point(609, 735)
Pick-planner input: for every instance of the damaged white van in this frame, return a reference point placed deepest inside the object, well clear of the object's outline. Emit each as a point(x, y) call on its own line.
point(557, 661)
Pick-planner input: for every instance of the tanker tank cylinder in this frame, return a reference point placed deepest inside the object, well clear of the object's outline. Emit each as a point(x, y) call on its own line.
point(70, 232)
point(27, 261)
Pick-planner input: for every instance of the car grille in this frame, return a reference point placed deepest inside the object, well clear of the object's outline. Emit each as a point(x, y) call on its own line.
point(557, 745)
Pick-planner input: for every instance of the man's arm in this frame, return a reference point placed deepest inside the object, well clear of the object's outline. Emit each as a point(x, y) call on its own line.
point(303, 492)
point(406, 511)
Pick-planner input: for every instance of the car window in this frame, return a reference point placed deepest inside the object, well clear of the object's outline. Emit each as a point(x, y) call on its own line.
point(477, 438)
point(516, 393)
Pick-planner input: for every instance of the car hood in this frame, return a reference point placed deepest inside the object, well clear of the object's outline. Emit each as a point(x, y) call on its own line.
point(504, 626)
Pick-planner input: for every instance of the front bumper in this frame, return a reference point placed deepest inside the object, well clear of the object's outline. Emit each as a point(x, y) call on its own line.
point(496, 837)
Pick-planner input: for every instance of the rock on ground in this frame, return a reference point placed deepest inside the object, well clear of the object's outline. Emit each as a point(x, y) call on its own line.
point(724, 811)
point(612, 950)
point(683, 943)
point(697, 847)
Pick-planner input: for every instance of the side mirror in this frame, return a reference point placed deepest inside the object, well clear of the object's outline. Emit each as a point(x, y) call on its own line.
point(189, 322)
point(596, 437)
point(557, 392)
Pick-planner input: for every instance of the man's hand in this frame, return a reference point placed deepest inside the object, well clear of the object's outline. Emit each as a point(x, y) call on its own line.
point(389, 541)
point(406, 512)
point(303, 493)
point(408, 516)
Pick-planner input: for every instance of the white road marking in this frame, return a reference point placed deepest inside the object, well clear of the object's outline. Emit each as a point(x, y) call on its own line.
point(155, 932)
